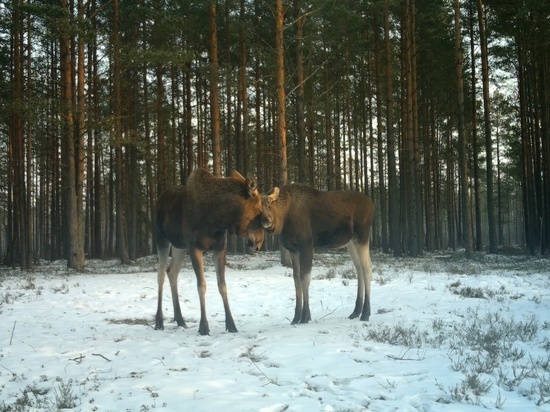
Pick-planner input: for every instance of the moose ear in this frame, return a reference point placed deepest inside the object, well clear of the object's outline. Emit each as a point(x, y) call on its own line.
point(237, 175)
point(273, 195)
point(251, 184)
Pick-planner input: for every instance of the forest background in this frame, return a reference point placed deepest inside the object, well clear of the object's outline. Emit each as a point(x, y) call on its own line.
point(437, 109)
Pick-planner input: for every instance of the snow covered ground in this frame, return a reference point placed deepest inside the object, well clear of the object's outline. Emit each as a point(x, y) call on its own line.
point(446, 334)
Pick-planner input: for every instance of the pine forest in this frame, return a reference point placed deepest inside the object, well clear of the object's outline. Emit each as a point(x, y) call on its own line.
point(439, 110)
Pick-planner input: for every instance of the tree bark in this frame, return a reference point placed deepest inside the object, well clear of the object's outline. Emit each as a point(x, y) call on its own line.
point(463, 168)
point(493, 247)
point(121, 241)
point(300, 117)
point(214, 90)
point(382, 211)
point(394, 220)
point(281, 104)
point(75, 258)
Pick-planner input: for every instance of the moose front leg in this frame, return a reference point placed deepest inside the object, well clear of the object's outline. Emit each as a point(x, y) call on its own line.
point(198, 266)
point(161, 275)
point(297, 286)
point(173, 271)
point(219, 264)
point(306, 262)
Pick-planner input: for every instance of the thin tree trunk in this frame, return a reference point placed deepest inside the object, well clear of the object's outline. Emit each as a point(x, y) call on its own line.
point(214, 89)
point(380, 146)
point(122, 245)
point(243, 94)
point(493, 247)
point(260, 164)
point(412, 205)
point(300, 120)
point(280, 82)
point(463, 168)
point(475, 150)
point(394, 220)
point(281, 111)
point(75, 259)
point(230, 158)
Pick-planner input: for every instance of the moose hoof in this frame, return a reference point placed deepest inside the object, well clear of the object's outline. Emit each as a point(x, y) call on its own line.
point(230, 326)
point(364, 317)
point(231, 329)
point(204, 329)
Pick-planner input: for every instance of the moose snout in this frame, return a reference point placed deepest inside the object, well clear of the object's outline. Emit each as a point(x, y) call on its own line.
point(267, 224)
point(254, 245)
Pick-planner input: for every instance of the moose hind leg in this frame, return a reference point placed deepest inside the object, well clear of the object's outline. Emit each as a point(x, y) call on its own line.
point(363, 251)
point(219, 264)
point(360, 281)
point(161, 275)
point(173, 271)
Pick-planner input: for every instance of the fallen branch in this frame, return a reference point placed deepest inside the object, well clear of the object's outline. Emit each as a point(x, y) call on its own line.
point(12, 330)
point(99, 354)
point(263, 373)
point(78, 359)
point(330, 313)
point(12, 373)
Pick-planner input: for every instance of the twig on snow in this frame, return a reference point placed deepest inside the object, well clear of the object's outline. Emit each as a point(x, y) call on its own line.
point(99, 354)
point(12, 330)
point(78, 359)
point(263, 373)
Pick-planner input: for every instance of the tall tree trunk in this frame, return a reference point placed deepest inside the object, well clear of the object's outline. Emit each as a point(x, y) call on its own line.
point(281, 110)
point(162, 167)
point(228, 135)
point(463, 167)
point(300, 120)
point(29, 172)
point(243, 94)
point(81, 129)
point(417, 167)
point(394, 220)
point(383, 226)
point(122, 244)
point(411, 184)
point(214, 89)
point(188, 121)
point(75, 259)
point(261, 167)
point(280, 83)
point(528, 190)
point(487, 122)
point(475, 150)
point(17, 225)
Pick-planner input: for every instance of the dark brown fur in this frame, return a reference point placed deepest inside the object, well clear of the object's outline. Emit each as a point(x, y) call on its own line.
point(195, 217)
point(305, 218)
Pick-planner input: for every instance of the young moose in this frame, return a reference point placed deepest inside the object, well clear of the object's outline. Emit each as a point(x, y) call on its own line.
point(305, 218)
point(195, 217)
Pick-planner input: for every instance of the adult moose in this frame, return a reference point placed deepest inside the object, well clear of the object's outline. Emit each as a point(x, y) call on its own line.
point(195, 218)
point(305, 218)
